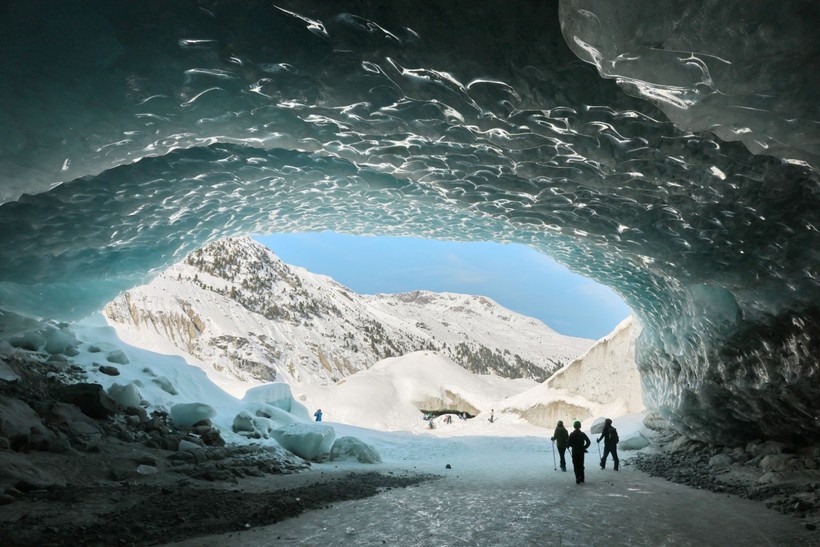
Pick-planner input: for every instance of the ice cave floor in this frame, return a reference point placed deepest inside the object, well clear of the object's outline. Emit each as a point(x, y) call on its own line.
point(505, 491)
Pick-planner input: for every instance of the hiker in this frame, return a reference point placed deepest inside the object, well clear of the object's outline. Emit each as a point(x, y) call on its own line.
point(492, 415)
point(559, 437)
point(318, 415)
point(578, 442)
point(610, 437)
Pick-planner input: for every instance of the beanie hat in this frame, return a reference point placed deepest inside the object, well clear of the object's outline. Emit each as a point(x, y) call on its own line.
point(577, 424)
point(560, 423)
point(608, 421)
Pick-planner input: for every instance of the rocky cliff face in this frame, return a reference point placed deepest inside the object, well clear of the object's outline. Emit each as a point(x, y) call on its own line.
point(234, 307)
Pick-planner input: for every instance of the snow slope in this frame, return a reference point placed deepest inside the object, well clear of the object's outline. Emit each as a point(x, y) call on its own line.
point(239, 312)
point(603, 382)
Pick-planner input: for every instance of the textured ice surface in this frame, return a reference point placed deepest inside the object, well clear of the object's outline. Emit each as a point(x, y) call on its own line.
point(278, 395)
point(748, 75)
point(125, 395)
point(187, 414)
point(306, 440)
point(130, 137)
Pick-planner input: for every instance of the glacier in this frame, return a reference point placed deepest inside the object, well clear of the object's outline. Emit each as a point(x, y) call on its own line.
point(667, 151)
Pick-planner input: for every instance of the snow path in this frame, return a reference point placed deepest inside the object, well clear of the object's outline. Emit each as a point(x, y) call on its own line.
point(504, 491)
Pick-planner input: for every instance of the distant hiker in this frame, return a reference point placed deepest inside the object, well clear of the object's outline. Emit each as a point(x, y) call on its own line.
point(610, 437)
point(492, 415)
point(318, 415)
point(448, 419)
point(578, 442)
point(430, 424)
point(560, 437)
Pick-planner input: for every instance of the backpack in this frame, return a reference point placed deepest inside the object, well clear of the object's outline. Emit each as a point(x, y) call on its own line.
point(613, 435)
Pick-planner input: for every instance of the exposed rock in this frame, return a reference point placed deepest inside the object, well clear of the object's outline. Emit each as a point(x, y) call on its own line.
point(188, 444)
point(109, 370)
point(137, 411)
point(720, 460)
point(22, 426)
point(117, 356)
point(73, 421)
point(91, 398)
point(778, 462)
point(7, 373)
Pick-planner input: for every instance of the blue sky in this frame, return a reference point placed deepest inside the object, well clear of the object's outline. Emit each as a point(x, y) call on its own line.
point(515, 276)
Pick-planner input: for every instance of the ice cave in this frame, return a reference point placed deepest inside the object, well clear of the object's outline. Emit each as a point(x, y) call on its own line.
point(668, 150)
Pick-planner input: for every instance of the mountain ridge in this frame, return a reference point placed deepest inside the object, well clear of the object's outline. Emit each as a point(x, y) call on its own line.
point(234, 307)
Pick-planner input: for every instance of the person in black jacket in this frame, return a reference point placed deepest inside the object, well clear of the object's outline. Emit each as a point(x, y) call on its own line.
point(610, 438)
point(560, 438)
point(578, 442)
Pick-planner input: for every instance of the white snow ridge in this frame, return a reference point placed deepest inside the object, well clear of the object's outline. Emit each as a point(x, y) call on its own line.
point(244, 316)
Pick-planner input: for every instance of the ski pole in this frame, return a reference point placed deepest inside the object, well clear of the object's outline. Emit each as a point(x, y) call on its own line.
point(598, 444)
point(554, 467)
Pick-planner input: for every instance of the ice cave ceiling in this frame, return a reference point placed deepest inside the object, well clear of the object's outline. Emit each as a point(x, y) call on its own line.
point(669, 150)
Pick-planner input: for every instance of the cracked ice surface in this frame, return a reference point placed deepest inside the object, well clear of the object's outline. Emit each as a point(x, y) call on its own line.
point(130, 136)
point(504, 491)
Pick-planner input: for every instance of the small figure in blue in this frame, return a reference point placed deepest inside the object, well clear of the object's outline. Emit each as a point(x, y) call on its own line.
point(318, 415)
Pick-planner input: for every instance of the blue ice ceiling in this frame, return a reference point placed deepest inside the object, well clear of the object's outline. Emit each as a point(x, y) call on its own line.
point(666, 149)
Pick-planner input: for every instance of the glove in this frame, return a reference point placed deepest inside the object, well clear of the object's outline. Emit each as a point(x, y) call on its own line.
point(586, 451)
point(552, 438)
point(598, 441)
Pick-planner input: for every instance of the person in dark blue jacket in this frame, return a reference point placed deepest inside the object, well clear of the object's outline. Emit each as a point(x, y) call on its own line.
point(610, 438)
point(560, 437)
point(578, 443)
point(318, 415)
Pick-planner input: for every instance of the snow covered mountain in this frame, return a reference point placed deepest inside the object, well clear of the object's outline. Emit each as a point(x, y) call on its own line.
point(242, 314)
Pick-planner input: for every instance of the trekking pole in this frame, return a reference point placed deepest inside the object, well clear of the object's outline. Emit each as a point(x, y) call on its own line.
point(554, 467)
point(599, 449)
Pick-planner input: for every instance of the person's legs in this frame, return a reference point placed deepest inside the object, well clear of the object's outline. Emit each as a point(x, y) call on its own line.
point(603, 460)
point(577, 467)
point(615, 459)
point(561, 452)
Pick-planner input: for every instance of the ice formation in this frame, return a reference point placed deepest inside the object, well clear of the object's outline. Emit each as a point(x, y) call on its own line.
point(129, 139)
point(307, 441)
point(188, 414)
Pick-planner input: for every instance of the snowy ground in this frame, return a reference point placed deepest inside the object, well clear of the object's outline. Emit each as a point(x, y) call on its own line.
point(504, 490)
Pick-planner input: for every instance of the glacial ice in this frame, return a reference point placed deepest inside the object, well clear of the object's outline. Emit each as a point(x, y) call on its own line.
point(127, 395)
point(187, 414)
point(277, 395)
point(353, 449)
point(122, 153)
point(306, 440)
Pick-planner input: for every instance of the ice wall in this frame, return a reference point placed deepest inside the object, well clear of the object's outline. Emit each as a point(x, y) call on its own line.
point(134, 132)
point(747, 72)
point(607, 373)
